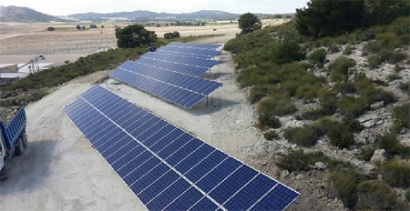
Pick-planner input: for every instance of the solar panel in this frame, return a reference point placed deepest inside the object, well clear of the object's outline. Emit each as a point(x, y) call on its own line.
point(173, 94)
point(191, 83)
point(194, 45)
point(206, 53)
point(173, 170)
point(195, 61)
point(170, 65)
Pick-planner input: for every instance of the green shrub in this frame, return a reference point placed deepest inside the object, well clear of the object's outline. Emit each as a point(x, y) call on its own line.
point(402, 116)
point(313, 114)
point(366, 35)
point(293, 160)
point(287, 52)
point(172, 35)
point(396, 173)
point(305, 136)
point(270, 135)
point(329, 103)
point(374, 61)
point(348, 50)
point(276, 106)
point(371, 96)
point(345, 87)
point(393, 77)
point(270, 107)
point(405, 87)
point(333, 48)
point(341, 133)
point(257, 93)
point(367, 153)
point(377, 195)
point(340, 67)
point(345, 182)
point(352, 107)
point(392, 146)
point(318, 57)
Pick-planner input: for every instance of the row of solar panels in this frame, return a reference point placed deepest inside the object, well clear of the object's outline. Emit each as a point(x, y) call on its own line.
point(181, 89)
point(171, 76)
point(199, 46)
point(167, 168)
point(189, 51)
point(182, 59)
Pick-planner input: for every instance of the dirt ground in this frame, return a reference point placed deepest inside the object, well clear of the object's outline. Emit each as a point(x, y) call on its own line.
point(61, 171)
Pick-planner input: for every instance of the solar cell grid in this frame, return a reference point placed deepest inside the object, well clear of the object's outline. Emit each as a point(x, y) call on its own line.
point(194, 61)
point(179, 171)
point(194, 45)
point(170, 65)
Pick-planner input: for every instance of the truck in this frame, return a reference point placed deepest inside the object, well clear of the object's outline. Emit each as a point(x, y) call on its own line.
point(13, 140)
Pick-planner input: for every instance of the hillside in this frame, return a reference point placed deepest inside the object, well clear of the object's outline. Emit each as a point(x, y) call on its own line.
point(336, 110)
point(24, 14)
point(146, 15)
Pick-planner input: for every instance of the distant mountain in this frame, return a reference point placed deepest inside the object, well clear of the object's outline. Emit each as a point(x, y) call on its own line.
point(24, 14)
point(147, 15)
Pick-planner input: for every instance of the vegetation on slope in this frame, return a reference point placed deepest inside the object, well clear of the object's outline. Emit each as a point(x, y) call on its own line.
point(281, 66)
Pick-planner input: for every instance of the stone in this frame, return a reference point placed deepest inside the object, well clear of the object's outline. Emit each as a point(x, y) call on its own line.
point(369, 124)
point(299, 176)
point(367, 117)
point(284, 174)
point(377, 105)
point(320, 165)
point(379, 156)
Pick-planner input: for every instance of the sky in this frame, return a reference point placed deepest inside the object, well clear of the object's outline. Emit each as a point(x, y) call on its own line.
point(67, 7)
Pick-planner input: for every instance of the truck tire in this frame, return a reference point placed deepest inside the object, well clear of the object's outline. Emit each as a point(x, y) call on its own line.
point(5, 172)
point(24, 137)
point(19, 147)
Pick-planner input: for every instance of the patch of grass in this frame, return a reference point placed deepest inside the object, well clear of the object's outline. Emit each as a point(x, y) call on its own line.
point(405, 87)
point(348, 50)
point(402, 116)
point(392, 146)
point(393, 77)
point(270, 107)
point(340, 67)
point(305, 136)
point(257, 93)
point(396, 173)
point(270, 135)
point(371, 96)
point(298, 160)
point(367, 153)
point(347, 87)
point(386, 56)
point(351, 107)
point(377, 195)
point(345, 182)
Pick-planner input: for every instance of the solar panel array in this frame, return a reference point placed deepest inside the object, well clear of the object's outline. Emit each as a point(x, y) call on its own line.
point(176, 67)
point(194, 45)
point(194, 61)
point(183, 90)
point(167, 168)
point(206, 53)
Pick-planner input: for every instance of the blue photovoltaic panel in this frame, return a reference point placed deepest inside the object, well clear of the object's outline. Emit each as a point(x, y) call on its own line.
point(167, 168)
point(194, 61)
point(170, 65)
point(195, 52)
point(194, 84)
point(194, 45)
point(174, 94)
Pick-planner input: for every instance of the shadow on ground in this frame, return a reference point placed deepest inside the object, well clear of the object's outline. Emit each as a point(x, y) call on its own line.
point(29, 171)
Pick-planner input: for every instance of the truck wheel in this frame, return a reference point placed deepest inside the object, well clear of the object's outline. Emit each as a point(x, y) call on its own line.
point(4, 173)
point(24, 137)
point(20, 147)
